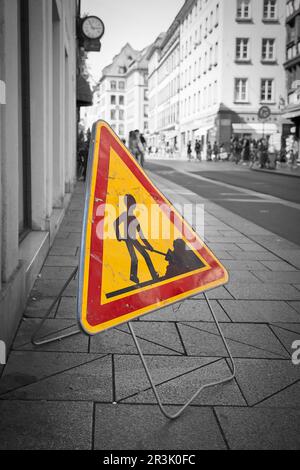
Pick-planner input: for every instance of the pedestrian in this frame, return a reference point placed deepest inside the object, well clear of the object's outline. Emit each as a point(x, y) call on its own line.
point(209, 151)
point(236, 151)
point(189, 151)
point(198, 150)
point(216, 151)
point(141, 143)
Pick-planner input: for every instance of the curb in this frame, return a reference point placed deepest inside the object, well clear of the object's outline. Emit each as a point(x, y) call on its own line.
point(275, 172)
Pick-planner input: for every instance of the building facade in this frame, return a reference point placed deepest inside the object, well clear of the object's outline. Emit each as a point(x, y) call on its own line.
point(121, 96)
point(225, 78)
point(164, 63)
point(292, 64)
point(137, 99)
point(37, 141)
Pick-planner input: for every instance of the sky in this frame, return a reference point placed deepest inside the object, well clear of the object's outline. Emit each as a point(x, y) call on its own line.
point(138, 22)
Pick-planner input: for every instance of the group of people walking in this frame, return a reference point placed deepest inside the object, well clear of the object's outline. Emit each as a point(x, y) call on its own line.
point(213, 152)
point(263, 152)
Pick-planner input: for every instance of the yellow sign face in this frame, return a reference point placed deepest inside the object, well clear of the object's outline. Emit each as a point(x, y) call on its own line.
point(138, 254)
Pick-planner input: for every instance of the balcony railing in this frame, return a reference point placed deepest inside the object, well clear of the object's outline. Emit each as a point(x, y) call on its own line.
point(293, 51)
point(292, 7)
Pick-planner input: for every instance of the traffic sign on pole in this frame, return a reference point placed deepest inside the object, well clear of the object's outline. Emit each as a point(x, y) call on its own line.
point(264, 113)
point(137, 254)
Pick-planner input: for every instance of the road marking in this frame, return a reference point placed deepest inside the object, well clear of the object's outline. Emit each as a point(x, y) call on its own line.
point(250, 192)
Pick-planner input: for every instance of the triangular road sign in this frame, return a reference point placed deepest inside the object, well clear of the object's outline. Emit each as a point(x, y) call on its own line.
point(137, 252)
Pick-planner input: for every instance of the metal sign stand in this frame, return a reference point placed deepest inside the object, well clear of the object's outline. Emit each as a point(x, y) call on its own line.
point(46, 340)
point(203, 387)
point(50, 339)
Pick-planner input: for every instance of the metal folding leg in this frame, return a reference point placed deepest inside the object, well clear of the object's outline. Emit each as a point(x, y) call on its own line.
point(203, 387)
point(50, 338)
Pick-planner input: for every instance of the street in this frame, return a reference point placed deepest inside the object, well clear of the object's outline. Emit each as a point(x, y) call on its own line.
point(269, 200)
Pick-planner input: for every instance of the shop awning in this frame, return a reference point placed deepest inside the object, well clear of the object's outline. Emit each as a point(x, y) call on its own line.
point(292, 113)
point(255, 128)
point(84, 93)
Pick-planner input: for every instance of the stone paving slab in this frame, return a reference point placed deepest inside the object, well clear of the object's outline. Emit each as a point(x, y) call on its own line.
point(260, 379)
point(180, 389)
point(215, 294)
point(28, 367)
point(78, 343)
point(287, 398)
point(144, 427)
point(235, 265)
point(51, 288)
point(118, 341)
point(278, 266)
point(67, 250)
point(165, 334)
point(266, 428)
point(190, 310)
point(260, 311)
point(67, 308)
point(37, 307)
point(253, 255)
point(287, 333)
point(262, 291)
point(280, 277)
point(295, 305)
point(56, 273)
point(63, 261)
point(91, 381)
point(244, 340)
point(130, 376)
point(40, 425)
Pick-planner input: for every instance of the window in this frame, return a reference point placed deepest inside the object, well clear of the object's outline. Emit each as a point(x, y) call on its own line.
point(121, 114)
point(206, 27)
point(24, 123)
point(146, 126)
point(241, 90)
point(210, 57)
point(216, 53)
point(268, 49)
point(146, 95)
point(113, 99)
point(113, 85)
point(113, 114)
point(211, 17)
point(146, 111)
point(121, 100)
point(121, 85)
point(217, 14)
point(243, 9)
point(122, 70)
point(270, 10)
point(121, 129)
point(242, 49)
point(267, 90)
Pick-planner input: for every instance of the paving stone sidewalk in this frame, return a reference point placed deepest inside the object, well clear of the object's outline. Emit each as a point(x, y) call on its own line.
point(61, 396)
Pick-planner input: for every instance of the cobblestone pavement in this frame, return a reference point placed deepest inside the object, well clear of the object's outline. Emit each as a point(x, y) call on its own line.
point(61, 396)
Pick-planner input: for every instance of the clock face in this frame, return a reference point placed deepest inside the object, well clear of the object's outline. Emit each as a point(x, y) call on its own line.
point(93, 27)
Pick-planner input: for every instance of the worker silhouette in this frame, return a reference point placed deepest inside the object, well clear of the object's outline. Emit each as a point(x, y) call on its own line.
point(133, 231)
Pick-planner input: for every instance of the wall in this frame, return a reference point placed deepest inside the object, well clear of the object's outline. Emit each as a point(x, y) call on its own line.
point(49, 142)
